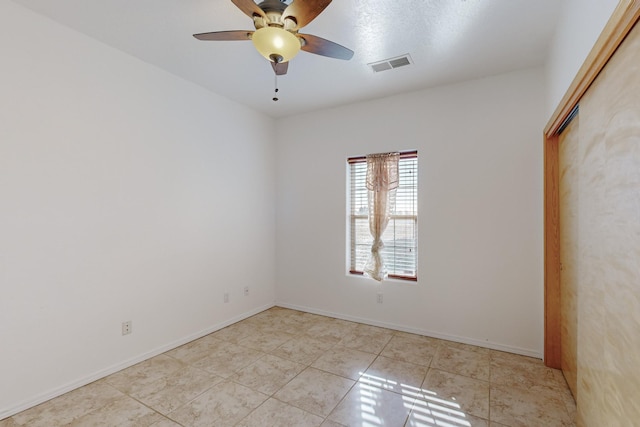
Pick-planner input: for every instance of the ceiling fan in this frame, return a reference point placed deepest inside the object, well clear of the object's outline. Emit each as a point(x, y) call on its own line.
point(276, 36)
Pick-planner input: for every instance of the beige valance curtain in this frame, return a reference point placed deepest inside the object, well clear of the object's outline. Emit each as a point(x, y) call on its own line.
point(382, 181)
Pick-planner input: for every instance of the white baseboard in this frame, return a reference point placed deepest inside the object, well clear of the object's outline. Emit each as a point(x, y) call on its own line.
point(43, 397)
point(432, 334)
point(50, 394)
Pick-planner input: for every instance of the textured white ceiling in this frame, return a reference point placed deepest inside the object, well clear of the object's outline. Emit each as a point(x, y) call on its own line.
point(448, 40)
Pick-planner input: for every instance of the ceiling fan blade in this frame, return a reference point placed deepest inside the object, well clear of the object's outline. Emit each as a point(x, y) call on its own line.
point(249, 8)
point(280, 68)
point(304, 12)
point(225, 35)
point(320, 46)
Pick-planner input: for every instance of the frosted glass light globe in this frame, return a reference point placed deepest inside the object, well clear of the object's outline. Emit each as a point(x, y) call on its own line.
point(276, 44)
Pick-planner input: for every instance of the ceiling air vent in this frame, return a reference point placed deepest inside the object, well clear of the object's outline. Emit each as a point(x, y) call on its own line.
point(390, 63)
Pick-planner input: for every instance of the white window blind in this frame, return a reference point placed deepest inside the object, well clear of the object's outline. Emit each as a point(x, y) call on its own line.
point(400, 238)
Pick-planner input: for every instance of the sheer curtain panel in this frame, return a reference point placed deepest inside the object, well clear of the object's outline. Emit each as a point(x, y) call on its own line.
point(382, 182)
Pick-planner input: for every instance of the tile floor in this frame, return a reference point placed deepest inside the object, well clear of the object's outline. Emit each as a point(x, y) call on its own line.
point(288, 368)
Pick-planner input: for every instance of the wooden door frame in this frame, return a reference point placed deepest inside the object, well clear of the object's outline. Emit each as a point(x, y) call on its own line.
point(619, 25)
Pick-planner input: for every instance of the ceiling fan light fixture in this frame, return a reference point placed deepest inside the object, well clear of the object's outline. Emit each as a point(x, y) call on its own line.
point(275, 42)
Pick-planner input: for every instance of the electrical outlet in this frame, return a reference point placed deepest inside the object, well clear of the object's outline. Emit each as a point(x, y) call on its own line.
point(226, 297)
point(246, 291)
point(379, 298)
point(126, 327)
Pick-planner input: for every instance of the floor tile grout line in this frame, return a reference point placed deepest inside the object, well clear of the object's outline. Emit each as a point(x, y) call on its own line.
point(144, 404)
point(341, 400)
point(179, 407)
point(276, 326)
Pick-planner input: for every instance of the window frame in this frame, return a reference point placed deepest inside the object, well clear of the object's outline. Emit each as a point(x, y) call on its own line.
point(352, 217)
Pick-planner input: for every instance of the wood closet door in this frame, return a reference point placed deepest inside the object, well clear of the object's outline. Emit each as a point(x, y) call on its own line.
point(609, 244)
point(568, 167)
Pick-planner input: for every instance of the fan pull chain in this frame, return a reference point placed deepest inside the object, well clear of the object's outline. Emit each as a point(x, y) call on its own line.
point(275, 95)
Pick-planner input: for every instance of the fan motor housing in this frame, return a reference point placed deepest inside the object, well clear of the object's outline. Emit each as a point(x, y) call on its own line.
point(273, 6)
point(274, 19)
point(273, 10)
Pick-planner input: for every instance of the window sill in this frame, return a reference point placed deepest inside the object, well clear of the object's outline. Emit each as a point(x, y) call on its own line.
point(390, 276)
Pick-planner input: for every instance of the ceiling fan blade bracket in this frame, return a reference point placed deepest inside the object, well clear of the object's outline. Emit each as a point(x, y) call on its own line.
point(290, 22)
point(304, 12)
point(249, 8)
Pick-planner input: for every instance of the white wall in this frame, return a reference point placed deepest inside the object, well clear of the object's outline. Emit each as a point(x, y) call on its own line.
point(480, 211)
point(125, 194)
point(579, 26)
point(114, 205)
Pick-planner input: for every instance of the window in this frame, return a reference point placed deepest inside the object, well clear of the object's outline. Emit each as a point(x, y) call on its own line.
point(400, 238)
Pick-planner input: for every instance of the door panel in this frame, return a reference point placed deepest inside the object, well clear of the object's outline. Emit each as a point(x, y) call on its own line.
point(609, 230)
point(569, 251)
